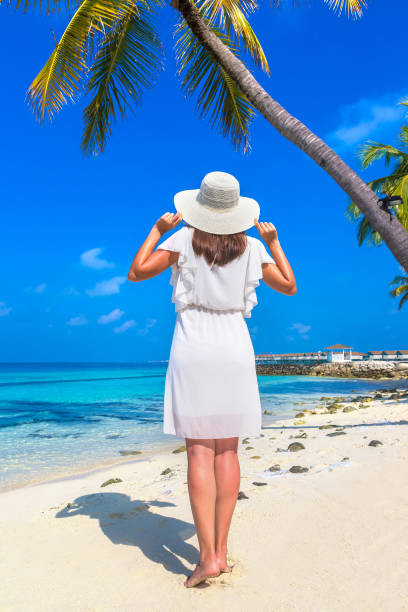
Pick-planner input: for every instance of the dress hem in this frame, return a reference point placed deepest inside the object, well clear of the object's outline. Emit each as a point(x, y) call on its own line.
point(234, 435)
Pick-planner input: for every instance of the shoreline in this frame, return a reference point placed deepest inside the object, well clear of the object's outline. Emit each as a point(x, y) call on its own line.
point(320, 526)
point(363, 370)
point(161, 447)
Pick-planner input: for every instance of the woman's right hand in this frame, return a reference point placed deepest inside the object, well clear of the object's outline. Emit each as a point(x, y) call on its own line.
point(167, 222)
point(267, 231)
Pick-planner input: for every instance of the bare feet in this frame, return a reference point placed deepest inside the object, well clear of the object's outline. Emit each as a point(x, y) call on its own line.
point(202, 572)
point(223, 565)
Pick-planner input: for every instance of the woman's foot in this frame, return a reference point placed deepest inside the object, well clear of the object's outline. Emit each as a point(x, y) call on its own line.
point(223, 565)
point(221, 557)
point(202, 571)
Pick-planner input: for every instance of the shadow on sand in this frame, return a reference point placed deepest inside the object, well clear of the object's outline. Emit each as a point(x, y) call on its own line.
point(162, 539)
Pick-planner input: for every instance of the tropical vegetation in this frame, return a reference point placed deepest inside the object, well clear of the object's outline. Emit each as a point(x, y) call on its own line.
point(394, 183)
point(400, 290)
point(111, 49)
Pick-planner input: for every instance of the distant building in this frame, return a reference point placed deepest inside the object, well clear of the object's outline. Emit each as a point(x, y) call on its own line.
point(339, 352)
point(335, 353)
point(289, 357)
point(374, 355)
point(387, 355)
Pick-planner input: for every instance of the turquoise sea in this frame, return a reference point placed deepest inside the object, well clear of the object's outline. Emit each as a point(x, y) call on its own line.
point(58, 419)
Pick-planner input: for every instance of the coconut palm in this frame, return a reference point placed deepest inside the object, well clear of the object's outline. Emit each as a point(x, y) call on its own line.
point(400, 290)
point(119, 41)
point(393, 184)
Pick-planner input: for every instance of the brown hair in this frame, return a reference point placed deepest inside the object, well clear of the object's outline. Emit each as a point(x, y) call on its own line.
point(219, 249)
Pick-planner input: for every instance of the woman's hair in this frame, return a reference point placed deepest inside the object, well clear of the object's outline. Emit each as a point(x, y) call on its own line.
point(219, 249)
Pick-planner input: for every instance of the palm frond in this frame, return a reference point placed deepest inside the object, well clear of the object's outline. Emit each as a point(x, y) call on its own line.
point(403, 299)
point(403, 135)
point(402, 210)
point(366, 232)
point(219, 97)
point(353, 213)
point(398, 280)
point(127, 62)
point(401, 289)
point(231, 17)
point(48, 6)
point(394, 184)
point(371, 152)
point(354, 8)
point(58, 80)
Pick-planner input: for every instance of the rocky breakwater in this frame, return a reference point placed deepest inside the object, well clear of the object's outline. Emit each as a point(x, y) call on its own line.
point(356, 369)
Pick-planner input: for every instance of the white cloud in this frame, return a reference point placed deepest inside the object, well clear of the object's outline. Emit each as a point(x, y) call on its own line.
point(37, 289)
point(365, 119)
point(149, 324)
point(108, 287)
point(115, 315)
point(301, 329)
point(4, 310)
point(77, 321)
point(124, 327)
point(92, 259)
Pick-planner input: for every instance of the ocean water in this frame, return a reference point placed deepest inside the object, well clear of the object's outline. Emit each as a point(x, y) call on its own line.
point(59, 419)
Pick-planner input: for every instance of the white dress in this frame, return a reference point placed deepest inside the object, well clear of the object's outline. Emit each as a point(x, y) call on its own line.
point(211, 388)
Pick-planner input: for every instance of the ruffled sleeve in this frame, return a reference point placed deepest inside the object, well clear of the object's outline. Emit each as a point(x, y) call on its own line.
point(258, 255)
point(183, 272)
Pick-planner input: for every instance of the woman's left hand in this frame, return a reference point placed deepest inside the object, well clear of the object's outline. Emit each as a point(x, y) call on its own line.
point(168, 221)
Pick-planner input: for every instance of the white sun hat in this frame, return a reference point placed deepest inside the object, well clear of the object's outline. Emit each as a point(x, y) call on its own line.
point(217, 207)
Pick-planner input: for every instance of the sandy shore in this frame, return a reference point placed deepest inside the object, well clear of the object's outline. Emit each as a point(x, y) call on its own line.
point(333, 538)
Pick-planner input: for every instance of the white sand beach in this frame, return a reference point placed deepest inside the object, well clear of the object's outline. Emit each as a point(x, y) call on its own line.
point(331, 539)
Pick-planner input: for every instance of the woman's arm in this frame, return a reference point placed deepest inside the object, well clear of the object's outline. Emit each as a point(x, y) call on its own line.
point(147, 263)
point(279, 275)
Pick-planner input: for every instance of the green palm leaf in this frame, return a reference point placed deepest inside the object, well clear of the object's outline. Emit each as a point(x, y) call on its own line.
point(394, 184)
point(219, 97)
point(401, 289)
point(231, 17)
point(403, 299)
point(351, 7)
point(58, 80)
point(49, 6)
point(126, 63)
point(371, 152)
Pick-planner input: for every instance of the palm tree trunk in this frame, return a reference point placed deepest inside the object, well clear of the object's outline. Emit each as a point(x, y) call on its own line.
point(390, 229)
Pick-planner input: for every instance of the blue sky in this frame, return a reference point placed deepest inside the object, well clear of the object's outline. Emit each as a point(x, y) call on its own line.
point(70, 226)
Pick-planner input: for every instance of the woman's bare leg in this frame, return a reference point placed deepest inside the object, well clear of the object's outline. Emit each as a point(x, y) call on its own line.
point(202, 492)
point(227, 479)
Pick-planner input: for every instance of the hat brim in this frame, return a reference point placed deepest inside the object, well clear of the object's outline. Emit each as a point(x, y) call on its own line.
point(226, 221)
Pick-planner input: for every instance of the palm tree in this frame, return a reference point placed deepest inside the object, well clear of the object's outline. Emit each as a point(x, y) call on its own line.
point(126, 56)
point(401, 289)
point(393, 184)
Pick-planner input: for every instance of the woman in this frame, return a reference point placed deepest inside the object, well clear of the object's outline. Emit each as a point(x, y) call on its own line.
point(211, 394)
